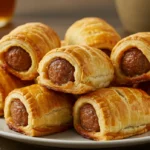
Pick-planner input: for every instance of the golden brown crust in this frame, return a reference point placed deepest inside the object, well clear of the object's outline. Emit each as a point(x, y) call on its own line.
point(142, 42)
point(121, 112)
point(63, 43)
point(93, 69)
point(7, 84)
point(48, 111)
point(36, 39)
point(41, 131)
point(92, 31)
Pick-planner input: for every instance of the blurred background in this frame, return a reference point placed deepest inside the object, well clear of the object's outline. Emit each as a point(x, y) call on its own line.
point(68, 8)
point(60, 14)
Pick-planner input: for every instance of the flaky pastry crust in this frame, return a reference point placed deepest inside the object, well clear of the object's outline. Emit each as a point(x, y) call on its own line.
point(122, 112)
point(48, 111)
point(7, 84)
point(92, 31)
point(93, 69)
point(36, 39)
point(139, 40)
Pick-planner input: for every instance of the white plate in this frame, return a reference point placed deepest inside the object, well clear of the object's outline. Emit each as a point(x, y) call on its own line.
point(70, 139)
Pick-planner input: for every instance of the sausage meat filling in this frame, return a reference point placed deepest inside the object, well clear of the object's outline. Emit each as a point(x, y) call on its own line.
point(18, 59)
point(18, 113)
point(60, 71)
point(134, 62)
point(88, 118)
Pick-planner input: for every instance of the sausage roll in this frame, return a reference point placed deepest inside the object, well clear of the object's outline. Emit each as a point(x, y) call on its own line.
point(75, 69)
point(131, 59)
point(23, 48)
point(37, 111)
point(7, 84)
point(94, 32)
point(112, 113)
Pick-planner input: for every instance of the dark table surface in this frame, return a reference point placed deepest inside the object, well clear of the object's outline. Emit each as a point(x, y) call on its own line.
point(60, 25)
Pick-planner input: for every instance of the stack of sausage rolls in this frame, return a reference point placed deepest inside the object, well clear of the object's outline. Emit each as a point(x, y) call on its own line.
point(33, 110)
point(92, 80)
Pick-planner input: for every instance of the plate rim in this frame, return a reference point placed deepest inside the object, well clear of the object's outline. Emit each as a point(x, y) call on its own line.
point(71, 143)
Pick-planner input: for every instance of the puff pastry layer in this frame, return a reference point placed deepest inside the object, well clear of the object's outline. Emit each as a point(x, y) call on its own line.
point(48, 111)
point(92, 31)
point(7, 84)
point(36, 39)
point(140, 41)
point(122, 112)
point(92, 69)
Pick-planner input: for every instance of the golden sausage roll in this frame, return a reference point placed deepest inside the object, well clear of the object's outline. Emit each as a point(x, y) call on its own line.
point(37, 111)
point(131, 59)
point(112, 113)
point(23, 48)
point(75, 69)
point(94, 32)
point(7, 84)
